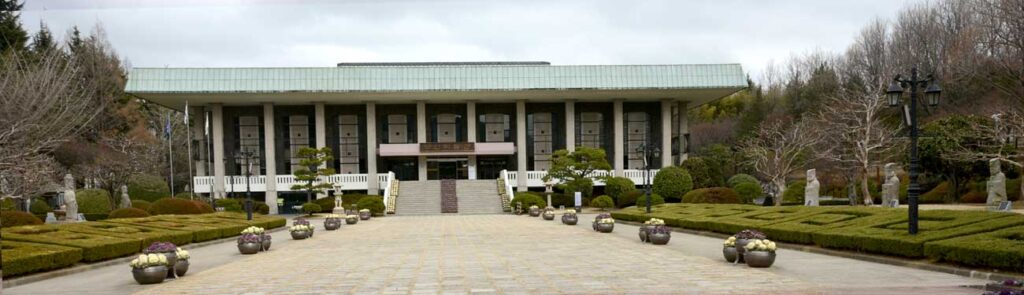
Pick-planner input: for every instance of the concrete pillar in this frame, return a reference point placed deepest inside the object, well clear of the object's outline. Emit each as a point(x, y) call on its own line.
point(570, 125)
point(521, 146)
point(372, 187)
point(198, 118)
point(684, 129)
point(421, 135)
point(618, 136)
point(422, 164)
point(471, 135)
point(321, 125)
point(270, 157)
point(218, 149)
point(666, 133)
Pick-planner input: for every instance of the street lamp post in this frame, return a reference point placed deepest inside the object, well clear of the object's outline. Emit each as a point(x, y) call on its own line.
point(931, 95)
point(649, 155)
point(245, 158)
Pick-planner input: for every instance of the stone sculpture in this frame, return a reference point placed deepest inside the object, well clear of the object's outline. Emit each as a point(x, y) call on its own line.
point(70, 203)
point(996, 185)
point(891, 187)
point(812, 190)
point(126, 201)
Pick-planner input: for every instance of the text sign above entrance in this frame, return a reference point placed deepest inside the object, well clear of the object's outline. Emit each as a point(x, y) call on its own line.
point(446, 147)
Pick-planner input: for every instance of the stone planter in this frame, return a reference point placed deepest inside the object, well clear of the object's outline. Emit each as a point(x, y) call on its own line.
point(643, 233)
point(759, 258)
point(181, 267)
point(605, 227)
point(150, 275)
point(332, 224)
point(729, 253)
point(535, 212)
point(172, 258)
point(365, 215)
point(594, 225)
point(300, 234)
point(265, 242)
point(741, 247)
point(659, 238)
point(351, 220)
point(249, 248)
point(548, 215)
point(570, 219)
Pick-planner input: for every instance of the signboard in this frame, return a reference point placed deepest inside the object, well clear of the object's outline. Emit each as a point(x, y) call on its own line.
point(1004, 206)
point(894, 203)
point(446, 147)
point(579, 200)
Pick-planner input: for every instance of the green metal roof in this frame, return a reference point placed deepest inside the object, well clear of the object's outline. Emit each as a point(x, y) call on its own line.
point(434, 78)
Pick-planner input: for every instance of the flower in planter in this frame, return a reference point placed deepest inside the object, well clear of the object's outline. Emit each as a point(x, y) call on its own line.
point(148, 260)
point(160, 247)
point(654, 221)
point(606, 220)
point(300, 221)
point(730, 242)
point(248, 238)
point(660, 229)
point(1013, 283)
point(570, 212)
point(750, 234)
point(534, 207)
point(182, 254)
point(364, 210)
point(761, 245)
point(333, 216)
point(351, 216)
point(602, 216)
point(253, 230)
point(300, 227)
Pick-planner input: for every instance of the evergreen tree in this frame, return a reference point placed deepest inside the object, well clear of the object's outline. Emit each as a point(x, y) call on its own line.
point(75, 42)
point(12, 35)
point(43, 40)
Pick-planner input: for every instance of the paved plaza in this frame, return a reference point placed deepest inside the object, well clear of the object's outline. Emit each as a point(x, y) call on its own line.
point(504, 254)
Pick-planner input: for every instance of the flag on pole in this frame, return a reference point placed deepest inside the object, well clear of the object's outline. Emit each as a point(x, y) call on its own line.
point(185, 120)
point(167, 127)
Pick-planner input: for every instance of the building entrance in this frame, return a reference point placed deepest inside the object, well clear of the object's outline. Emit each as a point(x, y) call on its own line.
point(447, 168)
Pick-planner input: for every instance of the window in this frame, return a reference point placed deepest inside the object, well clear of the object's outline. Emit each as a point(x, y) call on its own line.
point(298, 138)
point(637, 131)
point(497, 127)
point(445, 128)
point(348, 143)
point(591, 125)
point(398, 127)
point(249, 141)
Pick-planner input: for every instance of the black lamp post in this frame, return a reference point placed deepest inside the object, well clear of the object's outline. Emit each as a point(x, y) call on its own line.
point(649, 155)
point(244, 159)
point(931, 95)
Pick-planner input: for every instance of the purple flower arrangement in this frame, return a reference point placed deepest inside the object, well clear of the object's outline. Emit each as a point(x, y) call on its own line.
point(750, 234)
point(1013, 283)
point(659, 229)
point(248, 238)
point(160, 247)
point(300, 221)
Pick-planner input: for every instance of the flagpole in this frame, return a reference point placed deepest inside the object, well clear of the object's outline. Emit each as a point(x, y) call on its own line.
point(170, 152)
point(188, 135)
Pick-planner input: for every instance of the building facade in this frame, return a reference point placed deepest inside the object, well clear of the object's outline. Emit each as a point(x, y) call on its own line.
point(422, 121)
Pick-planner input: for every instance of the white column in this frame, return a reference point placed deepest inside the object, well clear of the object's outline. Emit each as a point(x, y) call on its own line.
point(471, 135)
point(421, 135)
point(270, 157)
point(618, 154)
point(372, 187)
point(422, 164)
point(570, 126)
point(218, 150)
point(198, 117)
point(521, 146)
point(321, 126)
point(666, 133)
point(684, 128)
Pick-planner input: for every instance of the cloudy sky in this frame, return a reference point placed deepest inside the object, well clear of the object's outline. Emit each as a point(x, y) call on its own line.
point(320, 33)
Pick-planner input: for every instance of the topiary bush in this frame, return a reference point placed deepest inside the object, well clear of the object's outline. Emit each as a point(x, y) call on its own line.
point(936, 195)
point(629, 198)
point(583, 185)
point(310, 208)
point(148, 187)
point(23, 258)
point(261, 208)
point(615, 187)
point(794, 193)
point(93, 201)
point(230, 205)
point(528, 199)
point(748, 191)
point(174, 206)
point(127, 213)
point(39, 207)
point(704, 174)
point(712, 195)
point(203, 207)
point(350, 200)
point(18, 218)
point(672, 182)
point(741, 178)
point(604, 202)
point(141, 204)
point(374, 203)
point(326, 204)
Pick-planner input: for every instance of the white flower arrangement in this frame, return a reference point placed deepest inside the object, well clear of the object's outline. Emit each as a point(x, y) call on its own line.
point(148, 260)
point(730, 242)
point(570, 211)
point(300, 227)
point(253, 230)
point(333, 216)
point(351, 216)
point(654, 221)
point(606, 220)
point(364, 210)
point(182, 254)
point(761, 245)
point(534, 207)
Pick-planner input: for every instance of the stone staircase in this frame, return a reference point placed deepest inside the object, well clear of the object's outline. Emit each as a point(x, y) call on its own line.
point(478, 197)
point(418, 197)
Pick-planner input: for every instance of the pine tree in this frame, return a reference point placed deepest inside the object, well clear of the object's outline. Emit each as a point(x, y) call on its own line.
point(12, 35)
point(75, 42)
point(310, 177)
point(43, 40)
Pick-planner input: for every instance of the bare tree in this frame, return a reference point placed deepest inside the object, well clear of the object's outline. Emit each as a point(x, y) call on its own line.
point(779, 149)
point(1003, 140)
point(1003, 44)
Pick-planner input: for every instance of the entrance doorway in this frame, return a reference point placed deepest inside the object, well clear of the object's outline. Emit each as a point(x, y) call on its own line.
point(404, 168)
point(447, 168)
point(490, 167)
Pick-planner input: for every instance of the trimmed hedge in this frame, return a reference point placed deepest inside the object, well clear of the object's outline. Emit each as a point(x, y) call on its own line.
point(326, 204)
point(200, 233)
point(127, 213)
point(148, 187)
point(230, 205)
point(712, 195)
point(94, 247)
point(23, 258)
point(1003, 249)
point(374, 203)
point(261, 208)
point(794, 193)
point(18, 218)
point(741, 178)
point(629, 198)
point(143, 235)
point(748, 191)
point(174, 206)
point(528, 199)
point(39, 207)
point(310, 208)
point(93, 201)
point(203, 207)
point(672, 182)
point(141, 204)
point(603, 202)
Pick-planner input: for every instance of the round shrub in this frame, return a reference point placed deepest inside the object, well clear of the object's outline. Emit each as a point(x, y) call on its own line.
point(261, 208)
point(741, 178)
point(374, 203)
point(704, 173)
point(794, 193)
point(672, 182)
point(629, 198)
point(148, 187)
point(127, 213)
point(583, 185)
point(39, 207)
point(603, 202)
point(229, 205)
point(174, 206)
point(936, 195)
point(93, 201)
point(712, 195)
point(349, 201)
point(310, 208)
point(748, 191)
point(141, 204)
point(641, 202)
point(528, 199)
point(326, 204)
point(203, 207)
point(615, 187)
point(17, 218)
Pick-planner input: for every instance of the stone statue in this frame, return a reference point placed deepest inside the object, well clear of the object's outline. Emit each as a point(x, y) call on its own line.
point(70, 203)
point(891, 187)
point(811, 192)
point(996, 185)
point(126, 202)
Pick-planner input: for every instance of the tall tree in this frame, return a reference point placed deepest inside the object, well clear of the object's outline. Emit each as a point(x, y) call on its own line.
point(579, 164)
point(779, 149)
point(312, 173)
point(12, 35)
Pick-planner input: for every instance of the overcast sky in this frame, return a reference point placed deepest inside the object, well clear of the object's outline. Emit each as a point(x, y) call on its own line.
point(320, 33)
